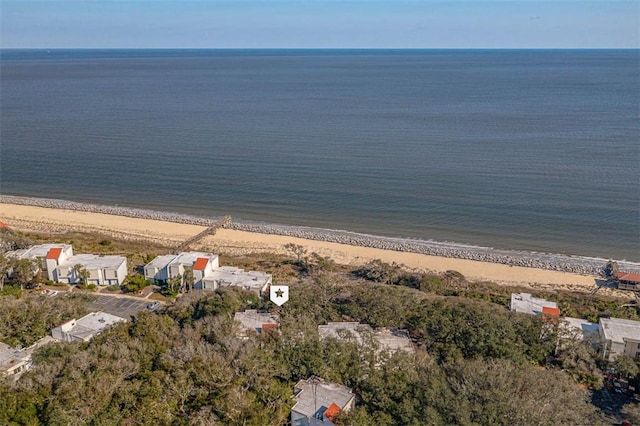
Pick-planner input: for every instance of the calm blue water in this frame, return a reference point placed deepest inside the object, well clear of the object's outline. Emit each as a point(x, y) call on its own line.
point(533, 150)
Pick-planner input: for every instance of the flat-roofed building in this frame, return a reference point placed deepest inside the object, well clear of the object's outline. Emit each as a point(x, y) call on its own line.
point(527, 304)
point(103, 270)
point(230, 276)
point(620, 337)
point(318, 402)
point(15, 361)
point(577, 329)
point(252, 320)
point(168, 266)
point(389, 339)
point(48, 255)
point(85, 328)
point(156, 270)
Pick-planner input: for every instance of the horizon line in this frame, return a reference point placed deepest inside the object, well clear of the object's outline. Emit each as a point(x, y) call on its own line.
point(320, 48)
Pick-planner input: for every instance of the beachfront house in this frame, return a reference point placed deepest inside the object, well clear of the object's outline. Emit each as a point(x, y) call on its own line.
point(385, 339)
point(169, 266)
point(207, 273)
point(85, 328)
point(627, 281)
point(318, 402)
point(49, 256)
point(103, 270)
point(620, 337)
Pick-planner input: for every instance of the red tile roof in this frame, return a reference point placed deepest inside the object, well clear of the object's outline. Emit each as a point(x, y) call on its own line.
point(331, 412)
point(555, 312)
point(201, 264)
point(625, 276)
point(54, 253)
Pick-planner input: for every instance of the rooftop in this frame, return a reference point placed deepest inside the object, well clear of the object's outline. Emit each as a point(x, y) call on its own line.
point(161, 261)
point(40, 250)
point(527, 304)
point(392, 339)
point(89, 325)
point(230, 276)
point(627, 276)
point(92, 261)
point(314, 396)
point(254, 320)
point(577, 328)
point(188, 258)
point(618, 330)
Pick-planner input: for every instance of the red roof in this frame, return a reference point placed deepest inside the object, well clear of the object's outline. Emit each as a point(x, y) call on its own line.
point(201, 264)
point(625, 276)
point(555, 312)
point(331, 412)
point(269, 326)
point(54, 253)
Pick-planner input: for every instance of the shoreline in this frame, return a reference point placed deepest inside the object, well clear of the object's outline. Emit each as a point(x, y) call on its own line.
point(47, 215)
point(547, 261)
point(47, 220)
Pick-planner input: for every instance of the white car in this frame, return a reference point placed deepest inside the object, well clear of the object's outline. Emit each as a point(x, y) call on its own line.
point(153, 305)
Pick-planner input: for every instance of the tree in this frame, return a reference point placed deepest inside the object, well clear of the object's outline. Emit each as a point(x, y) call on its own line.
point(297, 250)
point(625, 366)
point(610, 269)
point(82, 273)
point(188, 280)
point(24, 271)
point(6, 265)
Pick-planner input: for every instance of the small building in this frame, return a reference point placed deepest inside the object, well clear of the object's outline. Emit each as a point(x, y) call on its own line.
point(103, 270)
point(15, 361)
point(527, 304)
point(252, 320)
point(230, 276)
point(628, 281)
point(620, 337)
point(48, 255)
point(156, 270)
point(390, 339)
point(318, 402)
point(85, 328)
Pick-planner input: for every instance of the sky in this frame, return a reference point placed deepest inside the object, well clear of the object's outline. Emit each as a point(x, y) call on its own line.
point(319, 24)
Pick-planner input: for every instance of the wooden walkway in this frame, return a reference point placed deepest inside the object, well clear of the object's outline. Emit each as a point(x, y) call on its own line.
point(209, 231)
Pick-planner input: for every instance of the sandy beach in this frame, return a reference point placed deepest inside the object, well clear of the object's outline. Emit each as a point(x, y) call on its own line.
point(234, 242)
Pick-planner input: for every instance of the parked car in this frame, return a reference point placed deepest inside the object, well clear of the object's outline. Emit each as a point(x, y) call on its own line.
point(153, 305)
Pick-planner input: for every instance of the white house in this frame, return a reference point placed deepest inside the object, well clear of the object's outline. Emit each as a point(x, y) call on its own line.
point(103, 270)
point(49, 256)
point(318, 402)
point(168, 266)
point(207, 272)
point(230, 276)
point(620, 336)
point(85, 328)
point(15, 361)
point(527, 304)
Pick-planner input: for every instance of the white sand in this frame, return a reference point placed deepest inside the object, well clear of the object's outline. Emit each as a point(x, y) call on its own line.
point(45, 220)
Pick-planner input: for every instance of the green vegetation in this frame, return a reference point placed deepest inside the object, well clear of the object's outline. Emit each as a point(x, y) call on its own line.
point(476, 362)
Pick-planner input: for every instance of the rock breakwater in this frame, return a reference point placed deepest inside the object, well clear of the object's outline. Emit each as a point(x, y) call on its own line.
point(555, 262)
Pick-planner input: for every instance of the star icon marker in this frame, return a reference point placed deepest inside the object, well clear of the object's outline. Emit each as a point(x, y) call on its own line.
point(279, 294)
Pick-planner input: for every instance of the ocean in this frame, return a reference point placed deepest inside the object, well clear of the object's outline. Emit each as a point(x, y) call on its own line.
point(535, 150)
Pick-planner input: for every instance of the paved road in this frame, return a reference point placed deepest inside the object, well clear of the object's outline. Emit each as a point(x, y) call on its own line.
point(122, 307)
